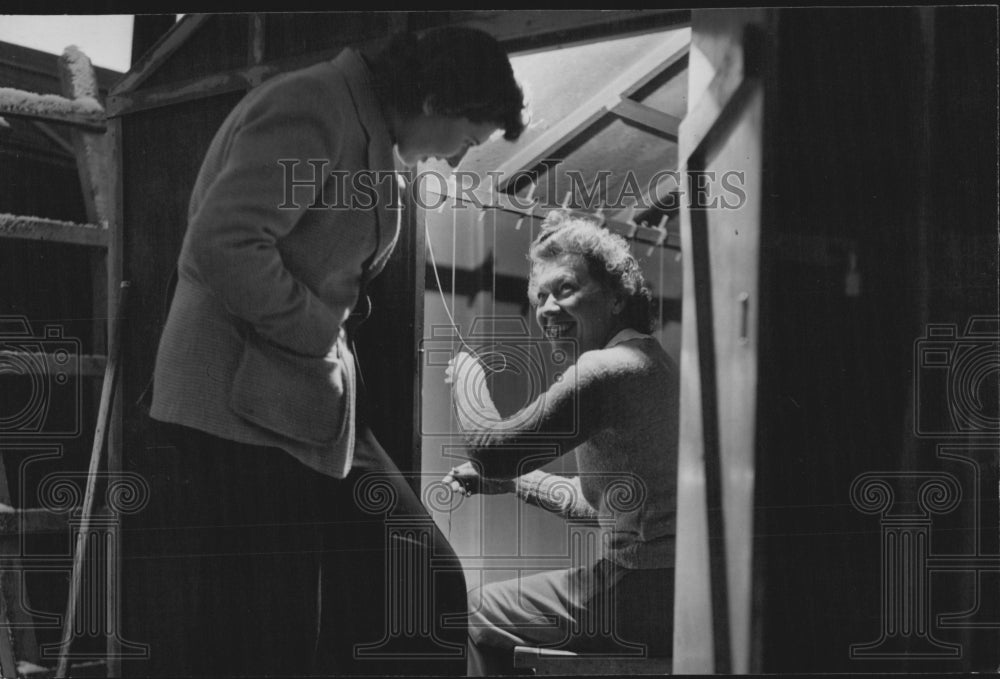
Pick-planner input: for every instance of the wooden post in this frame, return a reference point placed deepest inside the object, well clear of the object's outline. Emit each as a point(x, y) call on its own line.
point(396, 329)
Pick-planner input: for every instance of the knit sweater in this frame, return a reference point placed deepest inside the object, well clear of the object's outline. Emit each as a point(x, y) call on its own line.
point(616, 409)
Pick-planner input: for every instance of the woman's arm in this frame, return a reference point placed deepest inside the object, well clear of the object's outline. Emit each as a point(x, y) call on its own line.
point(557, 494)
point(563, 417)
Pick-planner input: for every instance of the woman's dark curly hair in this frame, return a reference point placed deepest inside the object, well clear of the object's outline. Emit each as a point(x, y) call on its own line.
point(609, 262)
point(462, 72)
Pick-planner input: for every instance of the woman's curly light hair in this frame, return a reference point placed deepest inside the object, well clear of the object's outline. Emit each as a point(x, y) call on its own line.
point(609, 262)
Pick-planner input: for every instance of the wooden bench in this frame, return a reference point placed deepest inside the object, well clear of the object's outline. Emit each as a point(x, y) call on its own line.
point(549, 662)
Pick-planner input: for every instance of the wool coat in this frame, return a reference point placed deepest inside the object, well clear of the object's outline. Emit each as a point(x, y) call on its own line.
point(295, 208)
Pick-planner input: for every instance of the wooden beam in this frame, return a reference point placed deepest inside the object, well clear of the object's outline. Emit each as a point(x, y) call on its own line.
point(54, 136)
point(526, 31)
point(15, 601)
point(147, 30)
point(728, 84)
point(90, 668)
point(629, 81)
point(125, 98)
point(256, 40)
point(187, 90)
point(88, 365)
point(639, 233)
point(51, 108)
point(511, 289)
point(42, 229)
point(79, 82)
point(114, 273)
point(160, 52)
point(663, 124)
point(15, 522)
point(395, 329)
point(123, 102)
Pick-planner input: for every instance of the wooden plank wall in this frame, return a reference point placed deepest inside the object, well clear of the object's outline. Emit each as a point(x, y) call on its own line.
point(883, 144)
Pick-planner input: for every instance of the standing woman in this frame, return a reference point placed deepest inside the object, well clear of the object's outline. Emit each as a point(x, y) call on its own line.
point(616, 411)
point(255, 378)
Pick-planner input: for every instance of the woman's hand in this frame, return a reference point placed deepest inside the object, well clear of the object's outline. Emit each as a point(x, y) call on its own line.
point(466, 479)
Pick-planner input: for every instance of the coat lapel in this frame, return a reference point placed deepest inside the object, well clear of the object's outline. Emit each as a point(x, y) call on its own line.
point(380, 155)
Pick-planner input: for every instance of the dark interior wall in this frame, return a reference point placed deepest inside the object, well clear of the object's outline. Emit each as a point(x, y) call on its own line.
point(223, 44)
point(147, 29)
point(882, 140)
point(164, 150)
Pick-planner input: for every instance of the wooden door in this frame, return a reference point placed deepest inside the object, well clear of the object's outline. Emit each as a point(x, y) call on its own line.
point(721, 146)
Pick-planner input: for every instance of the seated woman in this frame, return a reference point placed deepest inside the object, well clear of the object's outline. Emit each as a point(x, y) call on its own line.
point(616, 410)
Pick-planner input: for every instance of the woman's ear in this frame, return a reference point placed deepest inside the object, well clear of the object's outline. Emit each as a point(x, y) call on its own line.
point(618, 305)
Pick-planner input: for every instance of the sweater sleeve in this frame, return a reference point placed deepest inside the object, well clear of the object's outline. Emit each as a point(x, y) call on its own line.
point(564, 416)
point(557, 494)
point(243, 214)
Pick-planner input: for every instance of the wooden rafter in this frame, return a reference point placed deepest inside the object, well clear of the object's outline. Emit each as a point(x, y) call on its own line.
point(662, 57)
point(255, 57)
point(529, 30)
point(642, 234)
point(128, 97)
point(663, 124)
point(54, 136)
point(158, 55)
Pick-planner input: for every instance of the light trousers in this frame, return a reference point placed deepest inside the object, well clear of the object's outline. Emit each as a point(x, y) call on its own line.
point(601, 609)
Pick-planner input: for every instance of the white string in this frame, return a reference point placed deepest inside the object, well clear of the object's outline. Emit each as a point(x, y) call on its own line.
point(454, 270)
point(444, 301)
point(663, 325)
point(493, 283)
point(448, 312)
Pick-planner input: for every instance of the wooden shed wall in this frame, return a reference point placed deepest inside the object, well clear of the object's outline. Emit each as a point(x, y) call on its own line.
point(872, 148)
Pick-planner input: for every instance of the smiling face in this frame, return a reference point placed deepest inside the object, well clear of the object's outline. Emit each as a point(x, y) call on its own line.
point(571, 304)
point(429, 135)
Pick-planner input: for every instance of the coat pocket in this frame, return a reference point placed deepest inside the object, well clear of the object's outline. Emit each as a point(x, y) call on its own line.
point(300, 397)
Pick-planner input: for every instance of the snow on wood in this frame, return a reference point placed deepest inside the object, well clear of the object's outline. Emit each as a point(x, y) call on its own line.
point(79, 72)
point(85, 111)
point(40, 228)
point(78, 81)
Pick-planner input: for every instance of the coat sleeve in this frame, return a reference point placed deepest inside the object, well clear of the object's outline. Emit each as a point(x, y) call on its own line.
point(234, 233)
